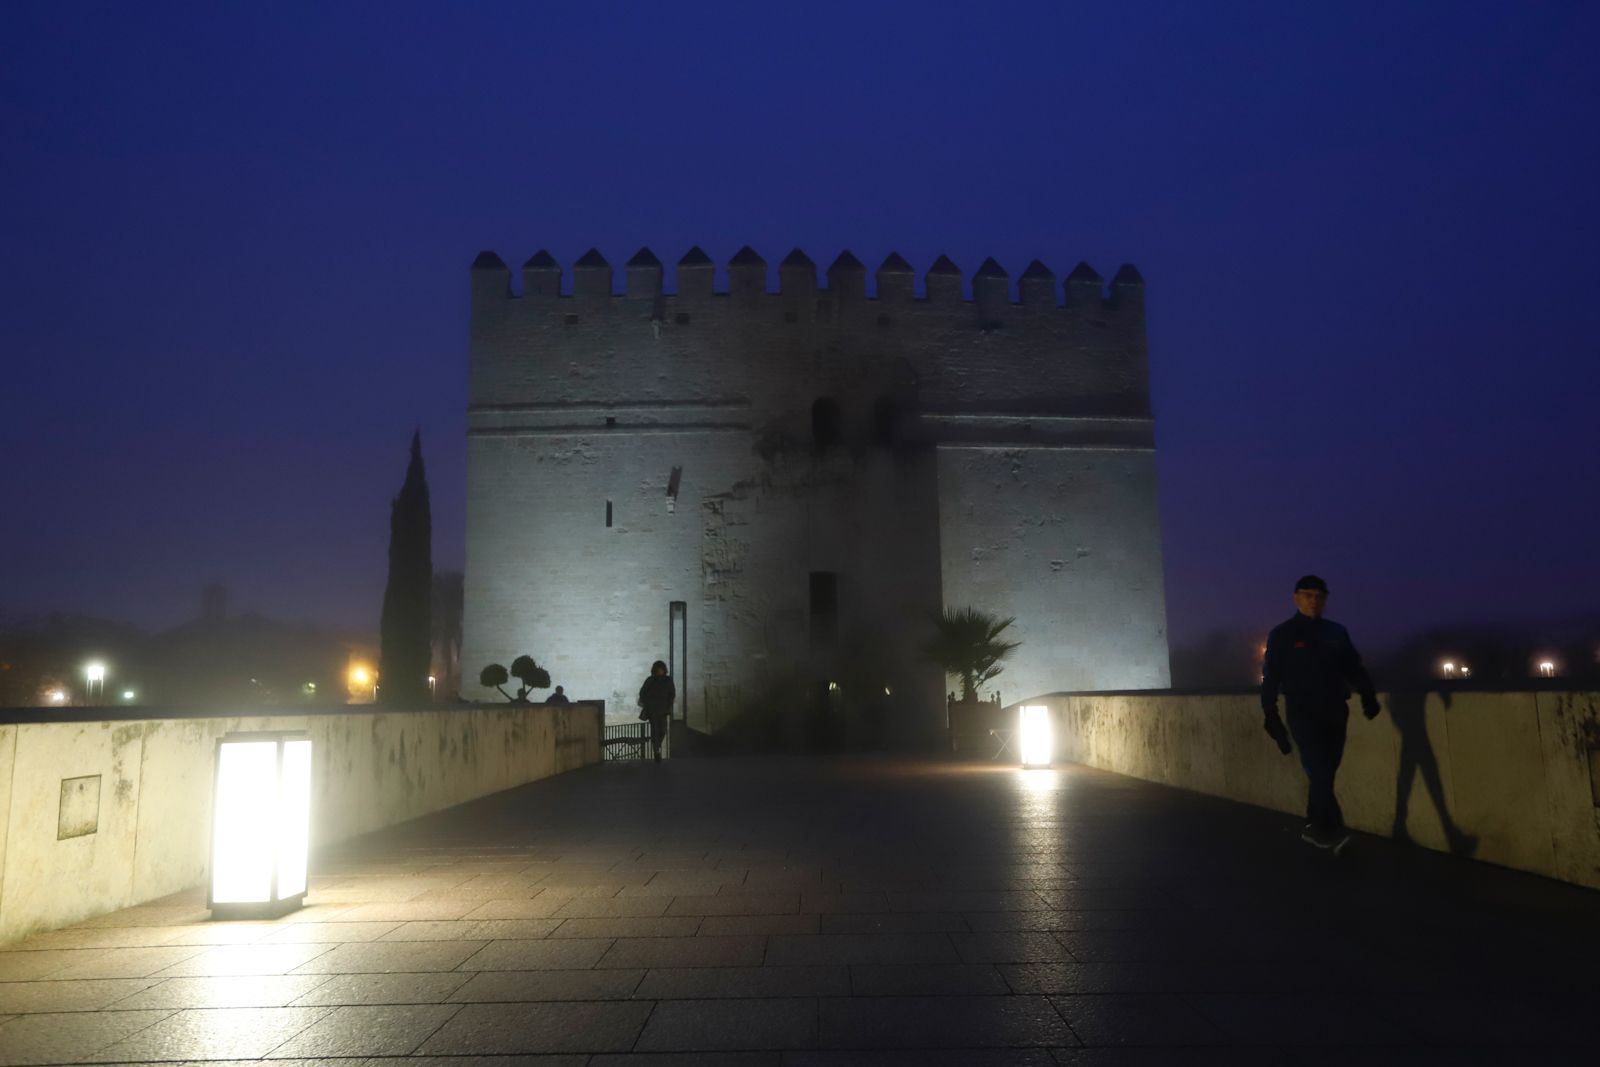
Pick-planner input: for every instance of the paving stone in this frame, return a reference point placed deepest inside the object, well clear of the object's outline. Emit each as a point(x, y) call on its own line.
point(651, 952)
point(937, 980)
point(387, 957)
point(756, 925)
point(736, 904)
point(244, 959)
point(550, 954)
point(1199, 1056)
point(844, 903)
point(612, 907)
point(941, 1022)
point(123, 962)
point(329, 932)
point(18, 998)
point(665, 926)
point(1302, 1019)
point(100, 937)
point(411, 911)
point(895, 922)
point(241, 991)
point(540, 907)
point(713, 1025)
point(685, 883)
point(383, 988)
point(212, 1034)
point(1465, 1020)
point(221, 933)
point(688, 1059)
point(528, 986)
point(472, 930)
point(383, 1030)
point(1123, 1019)
point(1014, 947)
point(28, 1039)
point(966, 1057)
point(488, 1029)
point(965, 901)
point(786, 951)
point(683, 983)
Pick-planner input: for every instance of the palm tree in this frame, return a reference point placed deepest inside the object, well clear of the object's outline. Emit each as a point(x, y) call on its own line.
point(967, 643)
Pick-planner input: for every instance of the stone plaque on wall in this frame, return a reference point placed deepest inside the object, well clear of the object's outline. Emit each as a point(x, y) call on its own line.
point(80, 807)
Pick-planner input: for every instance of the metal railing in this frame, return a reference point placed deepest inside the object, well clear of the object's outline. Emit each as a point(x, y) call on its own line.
point(631, 740)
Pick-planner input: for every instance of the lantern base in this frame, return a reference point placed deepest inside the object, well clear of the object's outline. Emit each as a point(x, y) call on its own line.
point(262, 909)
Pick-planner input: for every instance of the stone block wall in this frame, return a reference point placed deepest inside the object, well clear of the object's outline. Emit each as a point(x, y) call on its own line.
point(631, 450)
point(1511, 778)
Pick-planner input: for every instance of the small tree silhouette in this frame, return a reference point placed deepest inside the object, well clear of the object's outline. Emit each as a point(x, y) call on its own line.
point(967, 643)
point(523, 669)
point(530, 674)
point(494, 676)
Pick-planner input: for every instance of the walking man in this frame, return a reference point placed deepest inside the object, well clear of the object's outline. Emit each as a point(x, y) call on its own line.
point(1311, 661)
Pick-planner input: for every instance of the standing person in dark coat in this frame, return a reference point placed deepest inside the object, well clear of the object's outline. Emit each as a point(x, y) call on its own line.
point(1311, 661)
point(655, 698)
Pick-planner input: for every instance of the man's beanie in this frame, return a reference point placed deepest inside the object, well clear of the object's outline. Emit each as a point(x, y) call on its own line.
point(1311, 581)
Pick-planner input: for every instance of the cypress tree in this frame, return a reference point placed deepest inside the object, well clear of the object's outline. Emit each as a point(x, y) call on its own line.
point(406, 629)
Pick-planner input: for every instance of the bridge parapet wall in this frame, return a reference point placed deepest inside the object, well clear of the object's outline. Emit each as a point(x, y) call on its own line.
point(1511, 778)
point(103, 814)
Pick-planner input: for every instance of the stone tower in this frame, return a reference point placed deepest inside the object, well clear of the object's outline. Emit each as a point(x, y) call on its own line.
point(773, 490)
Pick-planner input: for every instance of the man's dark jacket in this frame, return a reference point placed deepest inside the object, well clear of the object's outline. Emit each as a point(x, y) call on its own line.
point(1311, 661)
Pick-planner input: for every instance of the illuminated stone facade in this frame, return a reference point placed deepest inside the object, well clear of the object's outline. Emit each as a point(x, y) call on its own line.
point(808, 473)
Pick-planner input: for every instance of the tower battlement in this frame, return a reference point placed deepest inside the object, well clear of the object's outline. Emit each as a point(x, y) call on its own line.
point(747, 274)
point(770, 472)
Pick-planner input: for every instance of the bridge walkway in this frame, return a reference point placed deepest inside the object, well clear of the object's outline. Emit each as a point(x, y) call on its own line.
point(834, 912)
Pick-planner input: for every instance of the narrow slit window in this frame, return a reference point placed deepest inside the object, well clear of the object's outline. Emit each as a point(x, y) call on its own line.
point(608, 514)
point(824, 609)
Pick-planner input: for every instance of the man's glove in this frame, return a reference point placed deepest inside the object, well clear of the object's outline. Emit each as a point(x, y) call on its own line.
point(1369, 705)
point(1275, 730)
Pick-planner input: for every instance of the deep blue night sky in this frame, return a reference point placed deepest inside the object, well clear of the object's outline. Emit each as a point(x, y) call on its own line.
point(236, 241)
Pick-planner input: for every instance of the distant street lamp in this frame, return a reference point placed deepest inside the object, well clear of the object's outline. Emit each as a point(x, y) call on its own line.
point(260, 824)
point(96, 674)
point(127, 696)
point(1547, 668)
point(1449, 669)
point(432, 683)
point(57, 696)
point(361, 681)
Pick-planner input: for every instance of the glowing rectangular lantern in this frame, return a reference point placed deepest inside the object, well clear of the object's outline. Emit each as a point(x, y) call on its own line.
point(1037, 744)
point(260, 824)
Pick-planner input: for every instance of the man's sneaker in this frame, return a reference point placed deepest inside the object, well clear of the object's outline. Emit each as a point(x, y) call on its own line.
point(1312, 836)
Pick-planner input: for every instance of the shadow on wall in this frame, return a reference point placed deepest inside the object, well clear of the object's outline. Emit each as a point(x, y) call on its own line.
point(1409, 712)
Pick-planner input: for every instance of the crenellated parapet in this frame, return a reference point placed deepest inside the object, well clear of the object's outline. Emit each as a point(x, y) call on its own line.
point(896, 281)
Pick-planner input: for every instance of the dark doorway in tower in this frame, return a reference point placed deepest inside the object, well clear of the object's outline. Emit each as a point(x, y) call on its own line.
point(824, 609)
point(678, 653)
point(824, 423)
point(885, 421)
